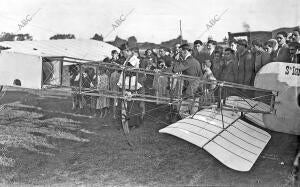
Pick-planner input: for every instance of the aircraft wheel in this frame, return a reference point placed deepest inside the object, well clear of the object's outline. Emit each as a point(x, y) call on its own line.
point(173, 117)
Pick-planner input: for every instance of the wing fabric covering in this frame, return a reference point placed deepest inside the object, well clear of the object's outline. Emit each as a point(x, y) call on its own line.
point(235, 143)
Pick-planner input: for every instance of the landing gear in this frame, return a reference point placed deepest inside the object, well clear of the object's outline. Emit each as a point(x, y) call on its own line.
point(173, 115)
point(296, 161)
point(132, 114)
point(124, 117)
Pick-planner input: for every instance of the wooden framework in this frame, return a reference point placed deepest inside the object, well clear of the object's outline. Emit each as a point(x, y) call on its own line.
point(174, 96)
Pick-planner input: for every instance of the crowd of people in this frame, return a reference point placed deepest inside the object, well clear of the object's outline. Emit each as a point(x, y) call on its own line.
point(237, 63)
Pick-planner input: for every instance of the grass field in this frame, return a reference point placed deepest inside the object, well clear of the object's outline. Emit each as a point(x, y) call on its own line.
point(44, 142)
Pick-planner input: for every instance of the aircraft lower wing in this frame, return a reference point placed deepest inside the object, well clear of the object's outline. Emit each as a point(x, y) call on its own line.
point(232, 141)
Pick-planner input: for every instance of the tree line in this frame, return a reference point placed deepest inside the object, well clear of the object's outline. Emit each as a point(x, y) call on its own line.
point(132, 41)
point(6, 36)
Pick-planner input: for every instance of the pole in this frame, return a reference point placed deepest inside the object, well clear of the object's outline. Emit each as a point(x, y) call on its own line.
point(180, 32)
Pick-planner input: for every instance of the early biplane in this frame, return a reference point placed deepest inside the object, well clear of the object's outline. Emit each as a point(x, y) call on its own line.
point(217, 120)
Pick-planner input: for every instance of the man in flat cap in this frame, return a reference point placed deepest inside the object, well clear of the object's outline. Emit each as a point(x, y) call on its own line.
point(294, 48)
point(189, 66)
point(282, 53)
point(296, 35)
point(261, 57)
point(245, 63)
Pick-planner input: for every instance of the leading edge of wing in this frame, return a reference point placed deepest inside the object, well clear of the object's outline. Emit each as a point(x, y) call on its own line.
point(237, 145)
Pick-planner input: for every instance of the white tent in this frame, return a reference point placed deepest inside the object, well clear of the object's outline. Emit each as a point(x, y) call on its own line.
point(23, 60)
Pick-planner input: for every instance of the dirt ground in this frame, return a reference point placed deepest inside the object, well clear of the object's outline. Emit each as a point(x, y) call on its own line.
point(44, 142)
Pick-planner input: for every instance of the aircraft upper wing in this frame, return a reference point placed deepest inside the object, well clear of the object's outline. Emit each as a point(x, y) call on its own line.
point(232, 141)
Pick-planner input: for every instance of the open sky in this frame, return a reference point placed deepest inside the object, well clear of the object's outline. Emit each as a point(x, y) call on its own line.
point(148, 20)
